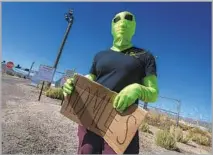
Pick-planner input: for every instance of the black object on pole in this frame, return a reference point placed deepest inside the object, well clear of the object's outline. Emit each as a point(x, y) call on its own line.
point(41, 91)
point(69, 18)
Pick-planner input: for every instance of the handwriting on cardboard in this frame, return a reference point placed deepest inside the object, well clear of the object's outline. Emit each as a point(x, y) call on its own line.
point(90, 105)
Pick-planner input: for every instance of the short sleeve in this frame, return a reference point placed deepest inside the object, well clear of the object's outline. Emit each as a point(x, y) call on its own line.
point(150, 65)
point(93, 67)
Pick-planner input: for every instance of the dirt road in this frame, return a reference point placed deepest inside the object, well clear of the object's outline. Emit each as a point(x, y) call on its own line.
point(30, 126)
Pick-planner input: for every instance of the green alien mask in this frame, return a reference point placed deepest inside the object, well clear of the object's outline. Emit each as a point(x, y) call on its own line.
point(123, 29)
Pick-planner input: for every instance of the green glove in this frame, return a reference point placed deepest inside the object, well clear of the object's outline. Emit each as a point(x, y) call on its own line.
point(126, 97)
point(69, 84)
point(146, 93)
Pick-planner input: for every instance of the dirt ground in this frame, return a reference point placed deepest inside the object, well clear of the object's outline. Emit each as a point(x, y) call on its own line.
point(31, 126)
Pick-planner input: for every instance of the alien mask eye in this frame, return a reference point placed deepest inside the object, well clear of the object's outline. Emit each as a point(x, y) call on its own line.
point(116, 19)
point(129, 17)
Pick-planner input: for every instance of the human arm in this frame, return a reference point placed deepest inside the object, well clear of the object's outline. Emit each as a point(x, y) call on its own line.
point(147, 91)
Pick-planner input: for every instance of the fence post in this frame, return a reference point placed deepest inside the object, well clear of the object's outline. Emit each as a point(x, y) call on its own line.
point(178, 114)
point(145, 105)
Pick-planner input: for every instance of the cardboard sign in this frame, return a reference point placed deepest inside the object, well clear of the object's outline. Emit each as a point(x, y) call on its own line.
point(90, 105)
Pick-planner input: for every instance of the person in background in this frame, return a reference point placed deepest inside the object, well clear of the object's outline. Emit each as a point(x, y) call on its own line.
point(128, 70)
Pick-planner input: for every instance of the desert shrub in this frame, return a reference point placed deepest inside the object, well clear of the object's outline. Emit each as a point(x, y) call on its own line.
point(145, 127)
point(172, 130)
point(153, 118)
point(159, 120)
point(55, 93)
point(184, 127)
point(185, 140)
point(201, 140)
point(197, 130)
point(177, 133)
point(190, 134)
point(200, 137)
point(166, 140)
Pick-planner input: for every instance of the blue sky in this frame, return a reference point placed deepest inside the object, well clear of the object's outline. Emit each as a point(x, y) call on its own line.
point(178, 33)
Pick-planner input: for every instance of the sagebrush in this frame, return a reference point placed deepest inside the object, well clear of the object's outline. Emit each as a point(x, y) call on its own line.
point(177, 133)
point(159, 120)
point(55, 93)
point(166, 140)
point(145, 127)
point(201, 140)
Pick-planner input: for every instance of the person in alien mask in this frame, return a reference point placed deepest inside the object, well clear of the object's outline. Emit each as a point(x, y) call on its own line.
point(125, 69)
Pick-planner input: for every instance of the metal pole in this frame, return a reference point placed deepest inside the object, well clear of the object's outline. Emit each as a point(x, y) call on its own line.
point(62, 45)
point(30, 69)
point(41, 91)
point(178, 114)
point(145, 105)
point(69, 18)
point(178, 108)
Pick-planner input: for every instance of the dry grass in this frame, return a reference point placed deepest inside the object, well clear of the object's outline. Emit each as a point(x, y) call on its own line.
point(55, 93)
point(145, 128)
point(185, 127)
point(163, 122)
point(177, 132)
point(45, 87)
point(166, 140)
point(200, 137)
point(159, 120)
point(201, 132)
point(201, 140)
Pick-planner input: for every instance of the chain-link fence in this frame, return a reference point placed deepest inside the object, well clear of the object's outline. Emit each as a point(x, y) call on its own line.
point(165, 106)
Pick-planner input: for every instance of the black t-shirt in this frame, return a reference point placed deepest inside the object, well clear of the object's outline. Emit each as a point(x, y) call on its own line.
point(116, 70)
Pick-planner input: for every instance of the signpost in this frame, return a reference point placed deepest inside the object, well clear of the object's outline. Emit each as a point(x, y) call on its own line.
point(10, 65)
point(45, 74)
point(70, 73)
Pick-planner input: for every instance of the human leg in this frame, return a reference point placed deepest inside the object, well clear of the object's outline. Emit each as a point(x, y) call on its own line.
point(89, 142)
point(133, 148)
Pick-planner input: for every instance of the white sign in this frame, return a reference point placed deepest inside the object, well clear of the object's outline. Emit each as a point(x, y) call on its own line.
point(46, 73)
point(63, 80)
point(69, 73)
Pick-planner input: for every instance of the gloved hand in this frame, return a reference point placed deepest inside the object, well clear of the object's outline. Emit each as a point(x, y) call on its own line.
point(126, 97)
point(68, 86)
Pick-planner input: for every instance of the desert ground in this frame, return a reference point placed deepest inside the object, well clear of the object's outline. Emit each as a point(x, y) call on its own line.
point(30, 126)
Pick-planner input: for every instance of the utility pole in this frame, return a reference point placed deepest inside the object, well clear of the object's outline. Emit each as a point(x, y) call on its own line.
point(69, 18)
point(30, 69)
